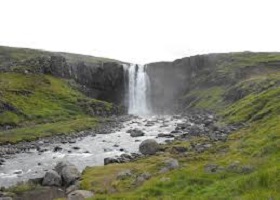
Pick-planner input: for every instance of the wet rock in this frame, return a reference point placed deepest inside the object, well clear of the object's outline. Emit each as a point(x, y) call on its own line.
point(52, 178)
point(79, 195)
point(108, 161)
point(57, 148)
point(166, 135)
point(176, 132)
point(149, 147)
point(149, 124)
point(124, 174)
point(18, 172)
point(72, 141)
point(136, 133)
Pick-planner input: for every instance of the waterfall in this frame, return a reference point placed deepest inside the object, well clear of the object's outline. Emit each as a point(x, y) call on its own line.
point(137, 89)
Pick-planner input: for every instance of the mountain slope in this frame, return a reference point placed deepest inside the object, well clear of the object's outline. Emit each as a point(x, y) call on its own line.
point(35, 102)
point(240, 88)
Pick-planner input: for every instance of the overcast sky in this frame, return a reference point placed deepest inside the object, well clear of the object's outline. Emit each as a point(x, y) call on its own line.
point(141, 31)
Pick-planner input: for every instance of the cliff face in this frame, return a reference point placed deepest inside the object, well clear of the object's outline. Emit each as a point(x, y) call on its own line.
point(97, 77)
point(181, 81)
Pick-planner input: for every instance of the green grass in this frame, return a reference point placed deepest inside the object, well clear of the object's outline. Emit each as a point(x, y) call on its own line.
point(41, 105)
point(21, 54)
point(47, 129)
point(256, 146)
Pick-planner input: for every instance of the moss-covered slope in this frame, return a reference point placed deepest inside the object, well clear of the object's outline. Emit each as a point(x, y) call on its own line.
point(32, 106)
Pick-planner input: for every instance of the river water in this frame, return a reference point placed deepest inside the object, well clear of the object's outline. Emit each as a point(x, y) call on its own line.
point(92, 149)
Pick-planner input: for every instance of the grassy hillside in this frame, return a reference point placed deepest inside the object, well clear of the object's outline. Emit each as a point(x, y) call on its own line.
point(246, 166)
point(40, 105)
point(18, 54)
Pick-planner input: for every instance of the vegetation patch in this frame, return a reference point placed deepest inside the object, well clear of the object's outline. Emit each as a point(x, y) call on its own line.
point(34, 106)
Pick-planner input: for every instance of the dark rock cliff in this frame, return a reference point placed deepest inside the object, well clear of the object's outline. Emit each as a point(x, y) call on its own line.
point(96, 77)
point(170, 81)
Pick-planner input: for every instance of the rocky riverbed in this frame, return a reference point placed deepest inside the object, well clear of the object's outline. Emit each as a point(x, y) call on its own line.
point(31, 160)
point(118, 142)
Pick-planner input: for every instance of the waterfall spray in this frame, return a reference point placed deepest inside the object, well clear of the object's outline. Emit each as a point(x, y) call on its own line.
point(137, 89)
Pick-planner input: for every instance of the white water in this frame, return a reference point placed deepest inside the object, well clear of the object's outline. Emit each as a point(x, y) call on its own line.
point(93, 150)
point(138, 89)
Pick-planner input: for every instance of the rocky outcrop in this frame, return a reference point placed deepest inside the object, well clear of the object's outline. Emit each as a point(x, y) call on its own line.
point(97, 77)
point(68, 172)
point(170, 81)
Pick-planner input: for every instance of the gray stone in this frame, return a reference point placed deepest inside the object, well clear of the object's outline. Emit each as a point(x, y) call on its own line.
point(246, 169)
point(108, 161)
point(68, 172)
point(79, 195)
point(136, 133)
point(170, 164)
point(52, 178)
point(149, 147)
point(124, 174)
point(142, 178)
point(213, 168)
point(72, 188)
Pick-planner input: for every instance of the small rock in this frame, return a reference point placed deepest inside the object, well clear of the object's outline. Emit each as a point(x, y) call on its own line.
point(170, 164)
point(136, 133)
point(247, 169)
point(166, 135)
point(142, 178)
point(178, 149)
point(213, 168)
point(57, 148)
point(108, 161)
point(124, 174)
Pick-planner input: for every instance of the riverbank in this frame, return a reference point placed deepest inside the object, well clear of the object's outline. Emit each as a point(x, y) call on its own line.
point(180, 128)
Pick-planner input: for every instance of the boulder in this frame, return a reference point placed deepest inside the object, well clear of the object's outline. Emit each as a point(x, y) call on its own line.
point(52, 178)
point(149, 147)
point(79, 195)
point(69, 173)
